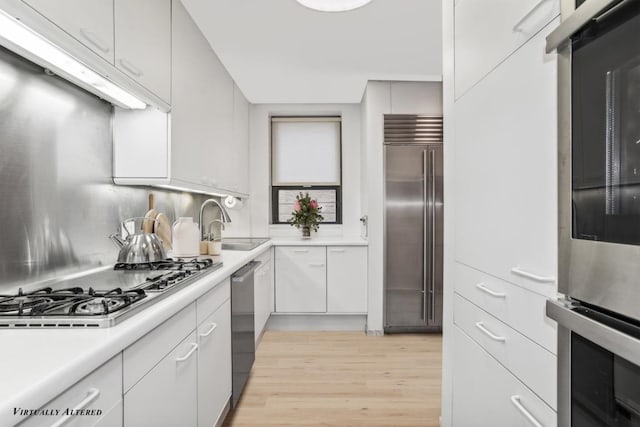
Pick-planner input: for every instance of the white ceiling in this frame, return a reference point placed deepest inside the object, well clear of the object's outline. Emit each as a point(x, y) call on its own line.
point(278, 51)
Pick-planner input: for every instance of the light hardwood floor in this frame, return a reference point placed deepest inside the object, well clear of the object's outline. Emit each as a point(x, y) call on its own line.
point(342, 379)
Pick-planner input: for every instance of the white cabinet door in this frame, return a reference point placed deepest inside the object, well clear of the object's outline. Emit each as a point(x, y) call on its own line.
point(214, 365)
point(140, 134)
point(143, 43)
point(488, 31)
point(202, 105)
point(167, 395)
point(240, 161)
point(346, 279)
point(505, 168)
point(486, 394)
point(301, 279)
point(88, 21)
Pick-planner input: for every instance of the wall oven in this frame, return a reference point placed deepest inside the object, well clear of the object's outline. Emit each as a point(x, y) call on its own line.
point(599, 213)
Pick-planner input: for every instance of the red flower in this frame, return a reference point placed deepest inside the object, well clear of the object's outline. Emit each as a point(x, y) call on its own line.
point(296, 206)
point(313, 204)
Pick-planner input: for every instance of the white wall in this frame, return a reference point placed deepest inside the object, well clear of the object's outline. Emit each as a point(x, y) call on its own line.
point(385, 98)
point(259, 164)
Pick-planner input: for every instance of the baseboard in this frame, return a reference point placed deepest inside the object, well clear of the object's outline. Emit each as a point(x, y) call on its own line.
point(375, 333)
point(316, 322)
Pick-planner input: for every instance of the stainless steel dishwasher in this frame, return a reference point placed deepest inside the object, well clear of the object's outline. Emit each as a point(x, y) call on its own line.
point(243, 347)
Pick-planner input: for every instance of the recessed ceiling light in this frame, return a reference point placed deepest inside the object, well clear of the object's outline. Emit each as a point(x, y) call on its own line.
point(333, 5)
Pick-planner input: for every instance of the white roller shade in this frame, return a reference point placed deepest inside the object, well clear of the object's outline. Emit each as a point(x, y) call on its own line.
point(306, 151)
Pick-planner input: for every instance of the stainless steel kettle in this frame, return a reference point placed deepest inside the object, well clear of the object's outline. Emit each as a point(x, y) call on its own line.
point(138, 248)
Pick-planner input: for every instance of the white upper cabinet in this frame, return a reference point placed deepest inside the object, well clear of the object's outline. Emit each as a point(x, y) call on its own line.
point(88, 21)
point(205, 145)
point(505, 170)
point(143, 43)
point(488, 31)
point(238, 168)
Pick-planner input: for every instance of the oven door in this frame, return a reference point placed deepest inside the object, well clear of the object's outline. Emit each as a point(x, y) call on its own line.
point(600, 162)
point(598, 368)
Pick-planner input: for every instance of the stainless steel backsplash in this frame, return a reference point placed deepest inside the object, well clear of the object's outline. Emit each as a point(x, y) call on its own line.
point(58, 202)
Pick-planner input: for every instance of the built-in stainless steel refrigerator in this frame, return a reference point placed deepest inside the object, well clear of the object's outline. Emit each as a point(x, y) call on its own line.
point(413, 224)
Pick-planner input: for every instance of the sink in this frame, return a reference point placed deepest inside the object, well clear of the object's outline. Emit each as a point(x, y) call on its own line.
point(242, 243)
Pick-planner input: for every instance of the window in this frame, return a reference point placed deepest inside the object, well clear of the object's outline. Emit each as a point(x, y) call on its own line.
point(306, 157)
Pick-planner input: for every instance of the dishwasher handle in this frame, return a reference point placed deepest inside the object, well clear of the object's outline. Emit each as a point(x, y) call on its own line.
point(244, 272)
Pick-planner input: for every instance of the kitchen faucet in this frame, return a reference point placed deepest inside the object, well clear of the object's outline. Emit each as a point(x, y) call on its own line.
point(224, 215)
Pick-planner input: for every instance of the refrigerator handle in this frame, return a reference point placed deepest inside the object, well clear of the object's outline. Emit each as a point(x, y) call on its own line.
point(432, 237)
point(425, 237)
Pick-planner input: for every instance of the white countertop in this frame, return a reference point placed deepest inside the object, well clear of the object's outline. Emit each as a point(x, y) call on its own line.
point(36, 365)
point(319, 241)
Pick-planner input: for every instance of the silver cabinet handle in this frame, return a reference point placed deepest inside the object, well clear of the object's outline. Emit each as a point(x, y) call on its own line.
point(130, 68)
point(94, 40)
point(493, 293)
point(517, 27)
point(337, 251)
point(301, 251)
point(92, 394)
point(210, 331)
point(516, 402)
point(316, 264)
point(542, 279)
point(194, 346)
point(480, 325)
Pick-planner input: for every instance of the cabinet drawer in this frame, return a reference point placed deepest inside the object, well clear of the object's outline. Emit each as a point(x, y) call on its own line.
point(209, 302)
point(486, 394)
point(521, 309)
point(488, 31)
point(144, 354)
point(167, 395)
point(102, 389)
point(532, 364)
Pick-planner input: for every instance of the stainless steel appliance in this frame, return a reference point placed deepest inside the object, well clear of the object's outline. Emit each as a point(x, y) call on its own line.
point(100, 299)
point(413, 223)
point(243, 347)
point(599, 213)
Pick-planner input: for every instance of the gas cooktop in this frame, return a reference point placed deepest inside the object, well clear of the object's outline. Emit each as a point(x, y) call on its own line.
point(102, 299)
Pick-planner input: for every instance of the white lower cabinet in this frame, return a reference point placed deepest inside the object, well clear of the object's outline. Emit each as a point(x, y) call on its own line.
point(101, 390)
point(214, 365)
point(485, 394)
point(301, 279)
point(321, 279)
point(346, 279)
point(167, 395)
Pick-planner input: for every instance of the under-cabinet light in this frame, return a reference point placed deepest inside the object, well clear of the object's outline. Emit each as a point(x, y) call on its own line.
point(16, 34)
point(333, 5)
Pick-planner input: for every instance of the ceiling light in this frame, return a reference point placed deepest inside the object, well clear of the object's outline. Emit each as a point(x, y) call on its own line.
point(21, 39)
point(333, 5)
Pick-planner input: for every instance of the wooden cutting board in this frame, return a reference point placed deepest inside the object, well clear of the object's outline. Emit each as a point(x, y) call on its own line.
point(148, 223)
point(162, 227)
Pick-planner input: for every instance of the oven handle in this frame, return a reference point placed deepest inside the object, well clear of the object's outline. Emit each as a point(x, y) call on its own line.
point(578, 19)
point(605, 336)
